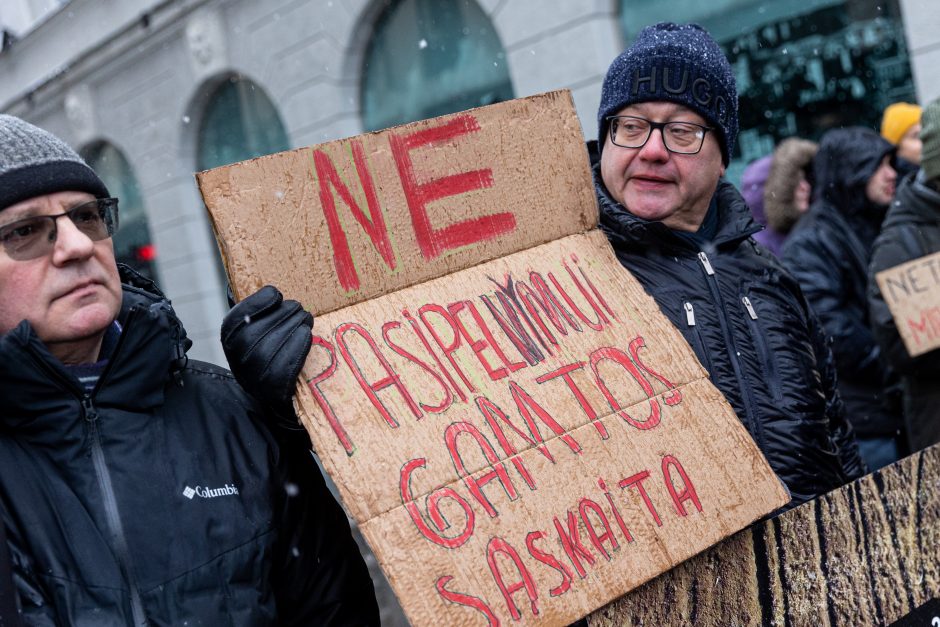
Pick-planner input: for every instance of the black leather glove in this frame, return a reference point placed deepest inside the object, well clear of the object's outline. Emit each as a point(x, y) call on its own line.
point(266, 340)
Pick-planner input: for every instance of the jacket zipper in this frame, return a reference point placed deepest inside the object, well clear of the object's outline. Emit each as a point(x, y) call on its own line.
point(103, 476)
point(698, 343)
point(755, 427)
point(773, 382)
point(111, 509)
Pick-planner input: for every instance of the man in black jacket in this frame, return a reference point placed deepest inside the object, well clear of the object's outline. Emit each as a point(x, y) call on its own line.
point(911, 230)
point(828, 252)
point(667, 123)
point(138, 487)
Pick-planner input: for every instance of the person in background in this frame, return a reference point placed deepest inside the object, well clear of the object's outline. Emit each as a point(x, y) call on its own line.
point(912, 230)
point(788, 190)
point(667, 122)
point(828, 252)
point(900, 125)
point(137, 486)
point(753, 180)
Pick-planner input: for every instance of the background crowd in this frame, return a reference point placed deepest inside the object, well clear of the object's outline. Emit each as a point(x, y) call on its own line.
point(837, 213)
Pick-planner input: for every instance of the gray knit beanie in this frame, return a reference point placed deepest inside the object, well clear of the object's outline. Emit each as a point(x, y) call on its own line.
point(34, 162)
point(930, 136)
point(674, 63)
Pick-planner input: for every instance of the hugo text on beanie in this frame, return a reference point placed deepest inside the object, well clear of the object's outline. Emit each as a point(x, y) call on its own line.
point(678, 63)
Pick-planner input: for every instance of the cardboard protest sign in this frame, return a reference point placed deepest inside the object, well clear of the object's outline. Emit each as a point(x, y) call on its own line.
point(521, 435)
point(912, 293)
point(865, 554)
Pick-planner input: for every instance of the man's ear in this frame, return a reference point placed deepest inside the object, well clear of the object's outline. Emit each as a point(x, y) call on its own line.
point(722, 172)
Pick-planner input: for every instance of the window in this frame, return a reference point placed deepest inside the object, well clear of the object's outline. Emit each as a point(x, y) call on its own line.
point(429, 58)
point(132, 242)
point(240, 122)
point(802, 66)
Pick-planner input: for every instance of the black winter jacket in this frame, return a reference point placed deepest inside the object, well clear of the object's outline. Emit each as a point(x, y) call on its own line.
point(828, 252)
point(161, 497)
point(911, 230)
point(747, 322)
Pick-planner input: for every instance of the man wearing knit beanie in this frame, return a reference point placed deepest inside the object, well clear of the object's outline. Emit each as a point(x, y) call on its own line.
point(667, 123)
point(70, 292)
point(912, 230)
point(900, 125)
point(136, 486)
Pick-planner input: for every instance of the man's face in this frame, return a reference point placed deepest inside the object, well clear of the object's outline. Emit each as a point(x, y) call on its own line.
point(910, 145)
point(655, 184)
point(71, 294)
point(880, 187)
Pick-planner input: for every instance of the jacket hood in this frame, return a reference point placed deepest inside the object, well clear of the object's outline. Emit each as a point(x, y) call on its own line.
point(792, 156)
point(847, 158)
point(735, 222)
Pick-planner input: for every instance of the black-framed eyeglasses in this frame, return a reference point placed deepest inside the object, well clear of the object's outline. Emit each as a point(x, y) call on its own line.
point(35, 236)
point(684, 138)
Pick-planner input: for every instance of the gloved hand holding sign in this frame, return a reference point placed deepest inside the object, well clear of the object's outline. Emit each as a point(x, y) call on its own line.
point(266, 340)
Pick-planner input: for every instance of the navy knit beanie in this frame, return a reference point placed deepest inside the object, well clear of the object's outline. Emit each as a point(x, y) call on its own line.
point(34, 162)
point(676, 63)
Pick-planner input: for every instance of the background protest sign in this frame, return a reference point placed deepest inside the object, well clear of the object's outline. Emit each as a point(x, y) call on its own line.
point(865, 554)
point(912, 293)
point(519, 432)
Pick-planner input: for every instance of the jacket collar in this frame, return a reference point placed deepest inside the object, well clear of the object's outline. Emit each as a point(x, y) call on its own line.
point(38, 390)
point(622, 227)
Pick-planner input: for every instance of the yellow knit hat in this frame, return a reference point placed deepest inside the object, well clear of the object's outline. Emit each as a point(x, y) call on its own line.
point(897, 119)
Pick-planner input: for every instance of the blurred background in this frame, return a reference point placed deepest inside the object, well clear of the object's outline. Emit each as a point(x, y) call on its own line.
point(151, 91)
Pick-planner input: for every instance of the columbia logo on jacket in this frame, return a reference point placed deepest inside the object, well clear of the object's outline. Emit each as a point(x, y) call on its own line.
point(209, 493)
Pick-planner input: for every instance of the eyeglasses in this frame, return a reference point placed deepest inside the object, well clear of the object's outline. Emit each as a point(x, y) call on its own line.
point(684, 138)
point(35, 236)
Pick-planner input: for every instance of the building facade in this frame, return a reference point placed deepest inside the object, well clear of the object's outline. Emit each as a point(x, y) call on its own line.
point(922, 27)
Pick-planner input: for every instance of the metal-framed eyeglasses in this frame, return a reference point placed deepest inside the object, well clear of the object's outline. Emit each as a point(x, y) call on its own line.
point(35, 236)
point(684, 138)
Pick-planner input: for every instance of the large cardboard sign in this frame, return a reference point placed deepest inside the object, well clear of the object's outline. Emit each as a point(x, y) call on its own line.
point(519, 432)
point(865, 554)
point(912, 293)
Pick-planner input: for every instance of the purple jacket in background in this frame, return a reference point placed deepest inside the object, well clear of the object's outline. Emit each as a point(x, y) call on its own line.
point(752, 188)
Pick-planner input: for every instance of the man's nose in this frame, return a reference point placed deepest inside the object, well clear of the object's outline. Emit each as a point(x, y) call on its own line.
point(655, 147)
point(70, 242)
